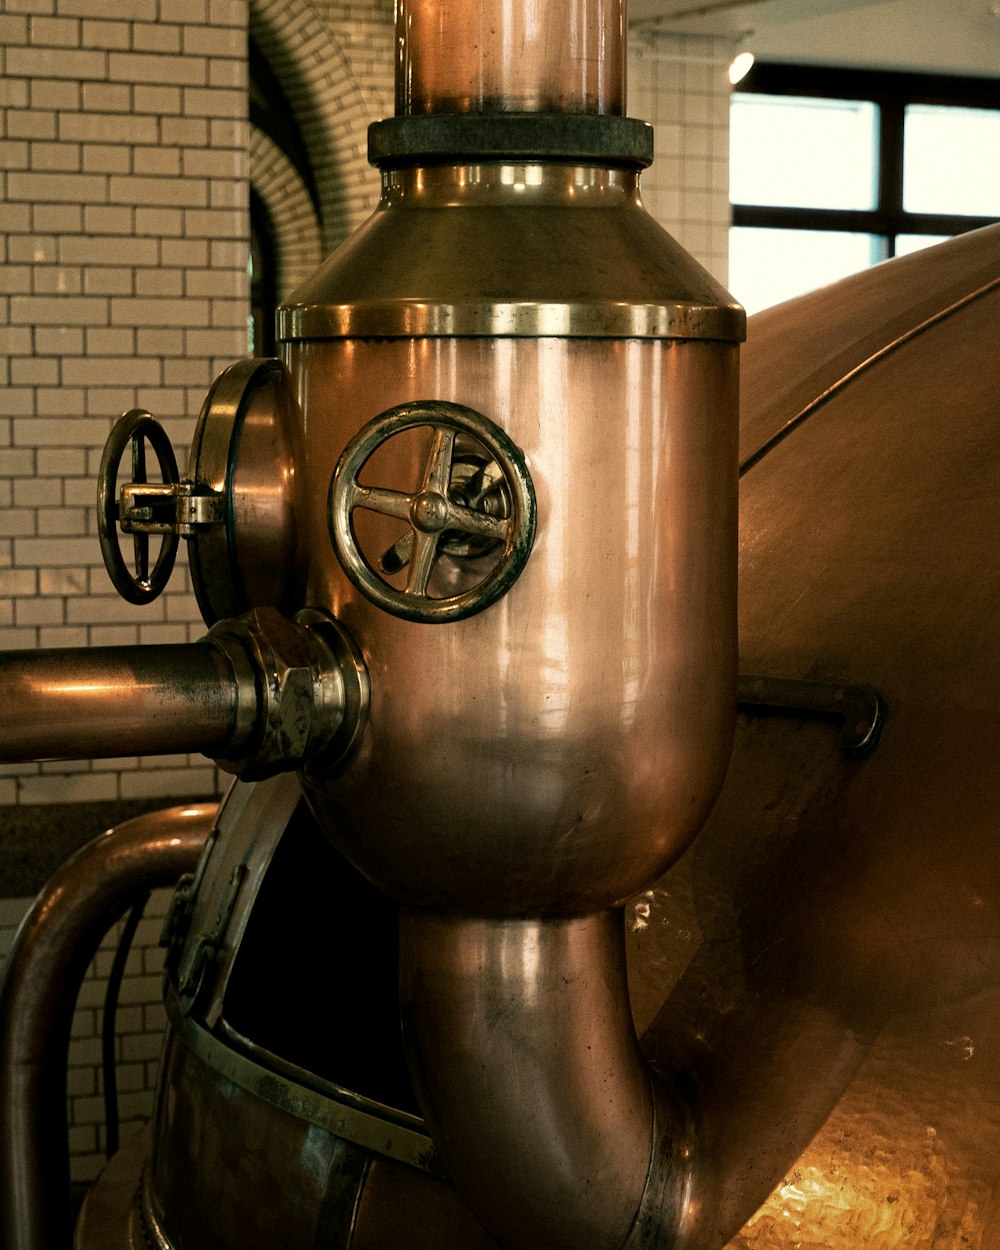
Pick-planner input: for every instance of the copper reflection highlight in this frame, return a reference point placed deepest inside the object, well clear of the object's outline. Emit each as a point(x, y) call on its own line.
point(510, 56)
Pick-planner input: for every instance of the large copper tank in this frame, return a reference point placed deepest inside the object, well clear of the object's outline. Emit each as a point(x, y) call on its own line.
point(492, 479)
point(825, 961)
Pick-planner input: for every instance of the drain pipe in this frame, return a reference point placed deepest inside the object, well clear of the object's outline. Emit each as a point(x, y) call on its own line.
point(54, 946)
point(570, 1143)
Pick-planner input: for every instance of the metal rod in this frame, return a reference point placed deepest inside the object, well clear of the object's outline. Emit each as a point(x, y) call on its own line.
point(109, 1018)
point(100, 702)
point(54, 946)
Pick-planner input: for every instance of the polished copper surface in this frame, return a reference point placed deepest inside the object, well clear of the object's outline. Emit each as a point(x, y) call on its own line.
point(553, 1149)
point(510, 55)
point(840, 331)
point(246, 449)
point(817, 977)
point(590, 709)
point(106, 701)
point(826, 958)
point(519, 773)
point(511, 249)
point(216, 1180)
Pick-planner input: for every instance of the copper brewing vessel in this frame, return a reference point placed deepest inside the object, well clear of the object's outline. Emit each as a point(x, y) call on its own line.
point(500, 848)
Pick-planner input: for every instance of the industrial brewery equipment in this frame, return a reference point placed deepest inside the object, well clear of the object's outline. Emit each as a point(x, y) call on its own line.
point(467, 555)
point(494, 705)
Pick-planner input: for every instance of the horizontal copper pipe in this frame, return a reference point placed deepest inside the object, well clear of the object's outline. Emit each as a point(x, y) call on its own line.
point(54, 946)
point(94, 703)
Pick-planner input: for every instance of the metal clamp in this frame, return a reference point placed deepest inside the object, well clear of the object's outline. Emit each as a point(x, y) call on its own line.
point(168, 508)
point(204, 950)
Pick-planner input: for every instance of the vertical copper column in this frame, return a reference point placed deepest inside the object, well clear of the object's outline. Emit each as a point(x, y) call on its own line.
point(459, 56)
point(527, 768)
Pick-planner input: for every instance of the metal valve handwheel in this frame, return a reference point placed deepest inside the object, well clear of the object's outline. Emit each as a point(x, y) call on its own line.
point(442, 513)
point(140, 584)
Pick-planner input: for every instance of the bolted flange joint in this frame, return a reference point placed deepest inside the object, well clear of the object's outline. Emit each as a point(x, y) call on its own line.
point(301, 691)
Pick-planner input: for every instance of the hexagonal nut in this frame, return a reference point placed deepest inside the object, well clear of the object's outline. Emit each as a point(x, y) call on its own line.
point(291, 672)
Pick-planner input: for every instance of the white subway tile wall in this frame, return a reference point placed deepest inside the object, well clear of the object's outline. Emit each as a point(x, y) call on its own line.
point(297, 244)
point(336, 64)
point(680, 84)
point(140, 1021)
point(124, 241)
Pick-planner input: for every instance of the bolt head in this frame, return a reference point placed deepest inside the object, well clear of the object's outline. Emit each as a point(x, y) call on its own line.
point(429, 512)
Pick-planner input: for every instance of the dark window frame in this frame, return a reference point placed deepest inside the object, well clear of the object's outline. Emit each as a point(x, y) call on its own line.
point(891, 92)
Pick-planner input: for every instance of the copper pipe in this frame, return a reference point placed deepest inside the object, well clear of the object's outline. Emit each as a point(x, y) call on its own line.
point(529, 1074)
point(510, 56)
point(260, 694)
point(54, 946)
point(101, 702)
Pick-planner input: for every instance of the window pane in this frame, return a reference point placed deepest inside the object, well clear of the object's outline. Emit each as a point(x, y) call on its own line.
point(951, 160)
point(907, 243)
point(803, 153)
point(767, 266)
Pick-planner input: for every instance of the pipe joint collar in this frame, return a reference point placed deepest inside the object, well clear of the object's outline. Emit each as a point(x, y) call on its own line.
point(301, 691)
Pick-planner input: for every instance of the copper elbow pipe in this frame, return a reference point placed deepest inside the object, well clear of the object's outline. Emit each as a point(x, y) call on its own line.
point(54, 946)
point(568, 1143)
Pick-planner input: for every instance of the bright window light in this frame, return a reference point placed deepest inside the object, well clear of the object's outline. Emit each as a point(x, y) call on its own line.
point(907, 243)
point(767, 266)
point(800, 152)
point(951, 160)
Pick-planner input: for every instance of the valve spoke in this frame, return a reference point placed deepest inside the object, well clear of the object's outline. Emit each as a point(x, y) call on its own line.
point(140, 556)
point(398, 555)
point(484, 480)
point(379, 499)
point(424, 551)
point(471, 521)
point(139, 459)
point(437, 475)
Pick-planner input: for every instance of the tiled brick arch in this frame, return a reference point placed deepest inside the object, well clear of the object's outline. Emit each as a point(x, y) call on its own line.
point(297, 240)
point(304, 41)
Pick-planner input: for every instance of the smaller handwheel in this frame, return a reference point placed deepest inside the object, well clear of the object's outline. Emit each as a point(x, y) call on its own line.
point(139, 584)
point(443, 515)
